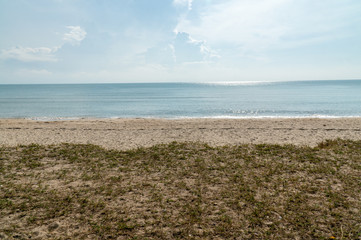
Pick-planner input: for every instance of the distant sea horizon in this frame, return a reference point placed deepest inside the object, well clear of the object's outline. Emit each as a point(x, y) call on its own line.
point(246, 99)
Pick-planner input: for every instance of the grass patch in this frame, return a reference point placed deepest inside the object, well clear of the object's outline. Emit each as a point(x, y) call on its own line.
point(181, 191)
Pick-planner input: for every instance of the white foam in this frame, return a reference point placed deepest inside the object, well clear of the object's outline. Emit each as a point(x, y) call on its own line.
point(265, 117)
point(194, 117)
point(53, 118)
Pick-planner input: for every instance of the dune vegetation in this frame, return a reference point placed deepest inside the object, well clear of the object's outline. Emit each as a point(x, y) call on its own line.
point(181, 191)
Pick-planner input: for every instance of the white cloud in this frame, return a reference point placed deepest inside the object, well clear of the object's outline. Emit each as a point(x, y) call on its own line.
point(254, 26)
point(245, 23)
point(75, 35)
point(188, 49)
point(38, 72)
point(43, 54)
point(183, 49)
point(27, 54)
point(187, 3)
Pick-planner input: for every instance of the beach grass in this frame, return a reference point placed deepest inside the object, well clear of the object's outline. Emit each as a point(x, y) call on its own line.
point(181, 191)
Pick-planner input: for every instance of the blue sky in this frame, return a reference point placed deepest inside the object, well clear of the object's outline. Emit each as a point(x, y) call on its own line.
point(98, 41)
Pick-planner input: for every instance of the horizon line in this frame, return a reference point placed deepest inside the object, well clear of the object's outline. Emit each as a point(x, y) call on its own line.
point(186, 82)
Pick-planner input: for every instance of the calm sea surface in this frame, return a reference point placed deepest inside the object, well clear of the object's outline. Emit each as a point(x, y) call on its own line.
point(178, 100)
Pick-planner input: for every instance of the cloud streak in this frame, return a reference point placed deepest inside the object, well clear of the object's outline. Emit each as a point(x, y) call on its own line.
point(44, 54)
point(27, 54)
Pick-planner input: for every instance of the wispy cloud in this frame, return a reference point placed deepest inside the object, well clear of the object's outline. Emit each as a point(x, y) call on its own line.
point(188, 49)
point(37, 72)
point(182, 49)
point(44, 54)
point(75, 35)
point(250, 24)
point(187, 3)
point(255, 26)
point(27, 54)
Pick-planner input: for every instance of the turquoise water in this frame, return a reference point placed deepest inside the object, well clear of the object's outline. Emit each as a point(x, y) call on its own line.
point(179, 100)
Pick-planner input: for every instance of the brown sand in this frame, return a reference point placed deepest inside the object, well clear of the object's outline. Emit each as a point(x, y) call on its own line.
point(132, 133)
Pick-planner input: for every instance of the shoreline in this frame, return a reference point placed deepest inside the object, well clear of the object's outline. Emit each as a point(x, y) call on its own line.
point(225, 117)
point(129, 133)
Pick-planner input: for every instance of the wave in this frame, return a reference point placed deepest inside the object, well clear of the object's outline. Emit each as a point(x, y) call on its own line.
point(280, 116)
point(191, 117)
point(54, 118)
point(250, 117)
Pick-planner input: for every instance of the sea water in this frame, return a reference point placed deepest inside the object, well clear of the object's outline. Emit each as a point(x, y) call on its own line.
point(341, 98)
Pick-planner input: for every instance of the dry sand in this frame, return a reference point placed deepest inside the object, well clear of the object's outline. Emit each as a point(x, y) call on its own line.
point(132, 133)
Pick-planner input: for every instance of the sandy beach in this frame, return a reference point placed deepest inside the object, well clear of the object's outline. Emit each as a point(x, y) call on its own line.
point(180, 190)
point(131, 133)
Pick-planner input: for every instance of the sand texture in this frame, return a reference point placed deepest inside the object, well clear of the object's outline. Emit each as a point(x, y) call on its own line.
point(132, 133)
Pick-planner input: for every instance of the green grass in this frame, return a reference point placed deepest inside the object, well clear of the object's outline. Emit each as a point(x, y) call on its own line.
point(181, 191)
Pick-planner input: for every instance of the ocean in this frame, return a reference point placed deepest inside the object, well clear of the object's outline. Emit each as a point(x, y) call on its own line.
point(297, 99)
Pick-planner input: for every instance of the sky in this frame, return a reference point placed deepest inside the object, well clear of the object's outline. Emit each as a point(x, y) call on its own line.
point(111, 41)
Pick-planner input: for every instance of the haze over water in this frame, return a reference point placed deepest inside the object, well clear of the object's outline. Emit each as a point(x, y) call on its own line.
point(182, 100)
